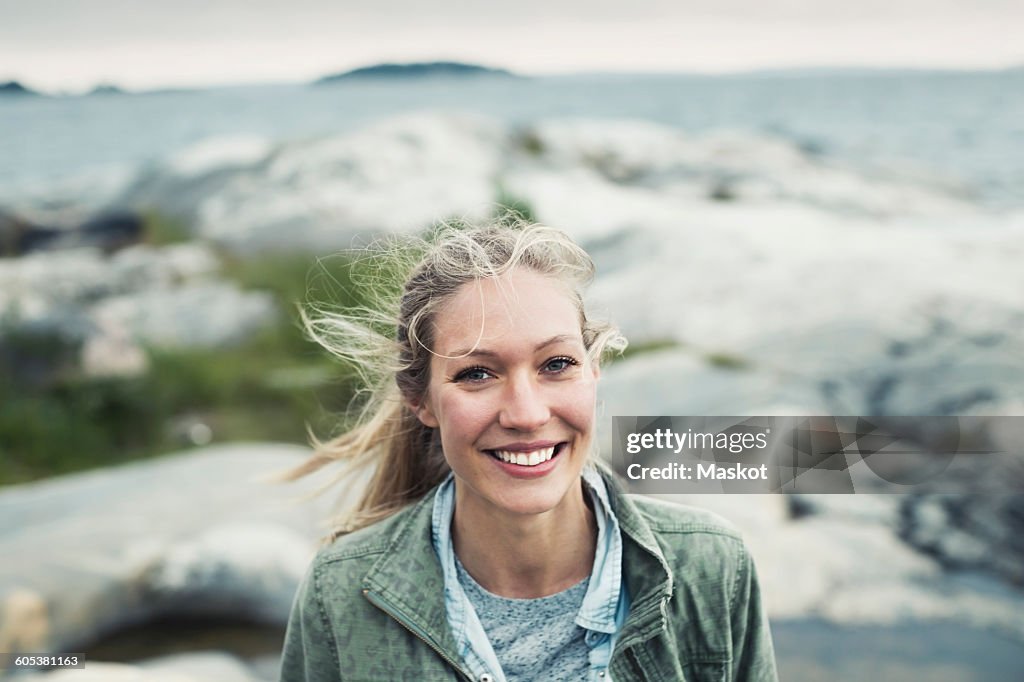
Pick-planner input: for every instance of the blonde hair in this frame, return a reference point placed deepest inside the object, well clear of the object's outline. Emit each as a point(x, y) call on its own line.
point(390, 344)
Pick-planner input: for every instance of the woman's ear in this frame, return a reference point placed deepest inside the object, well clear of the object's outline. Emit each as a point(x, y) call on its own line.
point(421, 408)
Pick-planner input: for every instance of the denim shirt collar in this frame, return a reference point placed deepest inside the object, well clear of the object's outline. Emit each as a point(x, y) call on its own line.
point(605, 604)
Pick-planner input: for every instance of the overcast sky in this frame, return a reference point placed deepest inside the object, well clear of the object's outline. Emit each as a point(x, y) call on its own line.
point(75, 44)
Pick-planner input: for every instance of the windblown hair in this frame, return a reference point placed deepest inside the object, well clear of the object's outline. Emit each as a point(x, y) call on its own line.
point(391, 343)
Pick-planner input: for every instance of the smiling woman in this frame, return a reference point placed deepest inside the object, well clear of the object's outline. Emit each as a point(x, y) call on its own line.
point(489, 544)
point(510, 380)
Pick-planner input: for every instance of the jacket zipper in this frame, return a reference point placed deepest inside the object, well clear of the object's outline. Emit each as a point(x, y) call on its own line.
point(417, 632)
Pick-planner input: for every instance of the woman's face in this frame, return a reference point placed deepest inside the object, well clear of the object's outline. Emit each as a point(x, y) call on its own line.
point(512, 394)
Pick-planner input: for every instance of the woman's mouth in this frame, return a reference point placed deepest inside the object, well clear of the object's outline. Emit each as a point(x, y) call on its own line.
point(527, 458)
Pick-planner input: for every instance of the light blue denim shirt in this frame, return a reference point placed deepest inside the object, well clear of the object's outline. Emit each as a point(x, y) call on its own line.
point(605, 604)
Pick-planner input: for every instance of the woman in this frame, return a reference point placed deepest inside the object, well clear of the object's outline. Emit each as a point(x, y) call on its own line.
point(489, 545)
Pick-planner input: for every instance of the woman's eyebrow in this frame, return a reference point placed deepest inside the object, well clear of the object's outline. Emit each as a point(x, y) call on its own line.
point(484, 352)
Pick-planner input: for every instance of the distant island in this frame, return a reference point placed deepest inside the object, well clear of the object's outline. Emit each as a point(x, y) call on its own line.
point(415, 70)
point(15, 88)
point(106, 89)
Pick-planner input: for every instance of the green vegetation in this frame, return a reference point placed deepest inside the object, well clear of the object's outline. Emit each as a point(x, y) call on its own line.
point(530, 142)
point(161, 229)
point(644, 347)
point(723, 190)
point(513, 208)
point(55, 420)
point(727, 361)
point(720, 360)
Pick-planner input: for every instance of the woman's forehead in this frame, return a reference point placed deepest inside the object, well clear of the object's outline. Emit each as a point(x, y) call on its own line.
point(521, 308)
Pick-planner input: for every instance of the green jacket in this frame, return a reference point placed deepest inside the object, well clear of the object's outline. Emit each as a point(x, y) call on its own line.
point(371, 606)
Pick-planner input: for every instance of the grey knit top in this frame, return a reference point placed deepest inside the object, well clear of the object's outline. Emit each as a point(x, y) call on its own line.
point(534, 639)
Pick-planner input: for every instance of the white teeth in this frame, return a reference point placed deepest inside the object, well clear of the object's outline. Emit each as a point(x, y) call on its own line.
point(530, 459)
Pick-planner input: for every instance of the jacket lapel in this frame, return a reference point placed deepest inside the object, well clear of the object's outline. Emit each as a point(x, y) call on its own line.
point(649, 582)
point(407, 582)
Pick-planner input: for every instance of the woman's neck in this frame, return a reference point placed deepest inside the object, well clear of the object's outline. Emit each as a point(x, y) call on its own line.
point(525, 557)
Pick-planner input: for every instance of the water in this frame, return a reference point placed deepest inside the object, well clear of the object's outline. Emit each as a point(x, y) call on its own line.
point(966, 127)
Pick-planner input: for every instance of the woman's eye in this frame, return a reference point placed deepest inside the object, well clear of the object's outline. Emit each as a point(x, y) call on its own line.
point(560, 364)
point(473, 374)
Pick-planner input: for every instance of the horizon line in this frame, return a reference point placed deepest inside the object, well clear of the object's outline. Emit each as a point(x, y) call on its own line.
point(808, 70)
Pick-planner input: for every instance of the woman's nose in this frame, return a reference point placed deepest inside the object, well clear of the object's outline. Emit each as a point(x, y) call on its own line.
point(524, 407)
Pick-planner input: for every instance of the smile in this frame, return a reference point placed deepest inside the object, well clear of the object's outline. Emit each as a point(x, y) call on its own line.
point(529, 458)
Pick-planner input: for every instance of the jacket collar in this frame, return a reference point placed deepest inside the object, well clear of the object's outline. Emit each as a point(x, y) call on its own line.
point(407, 578)
point(644, 568)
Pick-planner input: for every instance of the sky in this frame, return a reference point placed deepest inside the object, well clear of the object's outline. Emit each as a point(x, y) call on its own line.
point(73, 45)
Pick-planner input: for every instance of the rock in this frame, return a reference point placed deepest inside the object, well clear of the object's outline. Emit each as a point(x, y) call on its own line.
point(242, 568)
point(815, 289)
point(883, 510)
point(400, 175)
point(207, 666)
point(969, 531)
point(24, 624)
point(202, 534)
point(211, 666)
point(39, 283)
point(19, 236)
point(910, 343)
point(208, 157)
point(202, 315)
point(738, 166)
point(112, 352)
point(682, 381)
point(111, 232)
point(266, 668)
point(107, 232)
point(110, 304)
point(852, 569)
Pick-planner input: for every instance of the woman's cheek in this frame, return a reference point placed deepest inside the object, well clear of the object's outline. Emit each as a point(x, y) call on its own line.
point(579, 403)
point(469, 409)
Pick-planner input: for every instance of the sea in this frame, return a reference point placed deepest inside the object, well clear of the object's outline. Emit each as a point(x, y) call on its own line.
point(966, 128)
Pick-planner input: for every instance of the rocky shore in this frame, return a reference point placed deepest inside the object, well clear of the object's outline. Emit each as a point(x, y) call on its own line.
point(752, 276)
point(205, 536)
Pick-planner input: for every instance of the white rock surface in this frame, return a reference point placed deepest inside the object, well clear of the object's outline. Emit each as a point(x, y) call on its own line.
point(206, 314)
point(42, 281)
point(834, 290)
point(220, 153)
point(853, 570)
point(242, 565)
point(883, 292)
point(398, 175)
point(167, 296)
point(200, 533)
point(747, 167)
point(193, 667)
